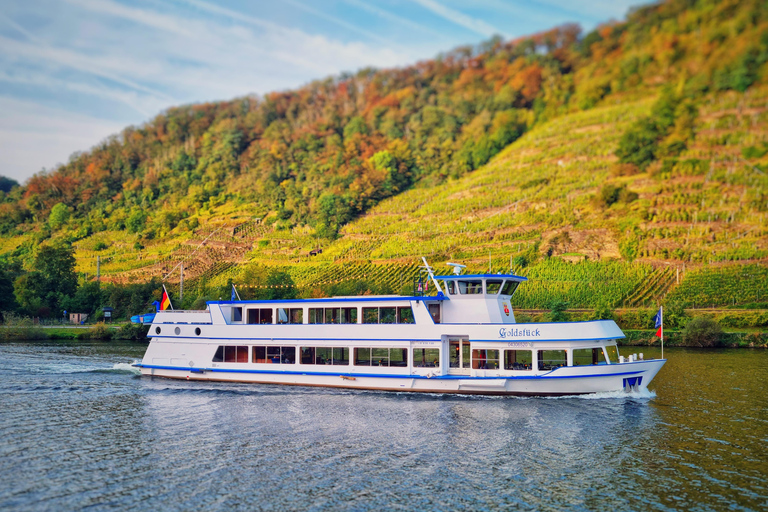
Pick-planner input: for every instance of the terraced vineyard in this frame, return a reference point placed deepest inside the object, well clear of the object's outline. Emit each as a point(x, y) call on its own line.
point(653, 289)
point(535, 201)
point(719, 286)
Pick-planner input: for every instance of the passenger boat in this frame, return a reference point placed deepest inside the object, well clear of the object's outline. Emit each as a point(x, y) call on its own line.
point(461, 339)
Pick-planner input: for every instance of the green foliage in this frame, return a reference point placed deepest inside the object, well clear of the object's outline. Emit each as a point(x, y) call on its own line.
point(556, 312)
point(98, 332)
point(135, 222)
point(611, 193)
point(59, 216)
point(665, 132)
point(754, 152)
point(43, 291)
point(603, 311)
point(131, 332)
point(702, 332)
point(7, 184)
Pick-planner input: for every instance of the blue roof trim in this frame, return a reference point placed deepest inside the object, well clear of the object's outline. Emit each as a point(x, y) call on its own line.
point(374, 340)
point(384, 375)
point(487, 276)
point(331, 299)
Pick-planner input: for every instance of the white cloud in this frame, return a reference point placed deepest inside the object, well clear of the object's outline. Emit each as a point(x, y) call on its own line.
point(33, 137)
point(459, 18)
point(149, 58)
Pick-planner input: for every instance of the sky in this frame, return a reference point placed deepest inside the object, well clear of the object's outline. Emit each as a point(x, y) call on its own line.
point(74, 72)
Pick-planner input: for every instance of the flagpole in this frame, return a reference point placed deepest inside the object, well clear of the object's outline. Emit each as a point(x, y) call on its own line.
point(661, 309)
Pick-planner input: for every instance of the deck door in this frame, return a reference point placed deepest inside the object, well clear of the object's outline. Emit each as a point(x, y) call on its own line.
point(459, 354)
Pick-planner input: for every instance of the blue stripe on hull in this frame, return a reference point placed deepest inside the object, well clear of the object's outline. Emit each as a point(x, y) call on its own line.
point(385, 376)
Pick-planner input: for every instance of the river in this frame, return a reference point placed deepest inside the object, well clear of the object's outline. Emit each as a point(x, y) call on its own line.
point(79, 429)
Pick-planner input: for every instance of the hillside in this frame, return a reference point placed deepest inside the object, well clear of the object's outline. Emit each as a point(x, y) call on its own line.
point(636, 153)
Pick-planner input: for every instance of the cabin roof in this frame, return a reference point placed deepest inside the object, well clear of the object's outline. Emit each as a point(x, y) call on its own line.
point(483, 276)
point(326, 300)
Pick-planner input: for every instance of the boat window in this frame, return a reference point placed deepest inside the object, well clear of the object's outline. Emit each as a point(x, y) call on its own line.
point(588, 356)
point(289, 316)
point(315, 315)
point(274, 355)
point(492, 286)
point(362, 357)
point(451, 286)
point(340, 355)
point(551, 359)
point(237, 314)
point(518, 360)
point(380, 356)
point(370, 315)
point(434, 311)
point(483, 359)
point(230, 354)
point(612, 353)
point(405, 315)
point(509, 287)
point(326, 355)
point(472, 287)
point(307, 355)
point(332, 316)
point(426, 357)
point(387, 315)
point(260, 316)
point(348, 315)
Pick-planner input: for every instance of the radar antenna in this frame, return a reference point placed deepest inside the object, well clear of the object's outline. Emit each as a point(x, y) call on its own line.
point(432, 275)
point(458, 268)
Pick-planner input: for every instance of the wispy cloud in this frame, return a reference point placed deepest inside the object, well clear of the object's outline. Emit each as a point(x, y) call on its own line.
point(34, 137)
point(400, 20)
point(459, 18)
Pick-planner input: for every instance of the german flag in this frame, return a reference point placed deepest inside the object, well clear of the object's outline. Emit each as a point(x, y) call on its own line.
point(165, 302)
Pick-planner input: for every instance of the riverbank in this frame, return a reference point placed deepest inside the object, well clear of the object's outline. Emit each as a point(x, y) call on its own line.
point(97, 332)
point(675, 338)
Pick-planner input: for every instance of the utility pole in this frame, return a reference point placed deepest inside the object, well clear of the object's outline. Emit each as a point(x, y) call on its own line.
point(181, 284)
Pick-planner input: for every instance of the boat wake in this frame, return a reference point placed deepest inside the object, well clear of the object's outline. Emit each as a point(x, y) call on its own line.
point(126, 368)
point(641, 394)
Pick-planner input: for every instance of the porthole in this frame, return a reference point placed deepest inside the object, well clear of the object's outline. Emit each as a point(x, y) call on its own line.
point(177, 331)
point(157, 330)
point(197, 331)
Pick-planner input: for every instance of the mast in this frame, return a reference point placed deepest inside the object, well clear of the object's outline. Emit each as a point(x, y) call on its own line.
point(431, 274)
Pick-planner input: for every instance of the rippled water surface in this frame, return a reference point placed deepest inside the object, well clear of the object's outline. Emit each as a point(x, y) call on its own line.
point(80, 429)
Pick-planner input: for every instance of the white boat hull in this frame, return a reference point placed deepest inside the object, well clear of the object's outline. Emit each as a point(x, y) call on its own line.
point(559, 382)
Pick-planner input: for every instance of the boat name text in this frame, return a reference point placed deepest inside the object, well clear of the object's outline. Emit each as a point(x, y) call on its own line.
point(514, 332)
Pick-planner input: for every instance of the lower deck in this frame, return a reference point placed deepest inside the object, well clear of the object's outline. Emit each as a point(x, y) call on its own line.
point(453, 365)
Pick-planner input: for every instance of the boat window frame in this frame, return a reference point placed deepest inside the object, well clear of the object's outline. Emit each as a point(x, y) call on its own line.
point(542, 363)
point(424, 358)
point(607, 353)
point(381, 356)
point(522, 365)
point(477, 357)
point(260, 316)
point(476, 287)
point(231, 354)
point(594, 356)
point(509, 283)
point(494, 281)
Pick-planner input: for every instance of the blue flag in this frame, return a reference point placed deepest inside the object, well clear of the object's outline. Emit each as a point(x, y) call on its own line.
point(658, 320)
point(234, 293)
